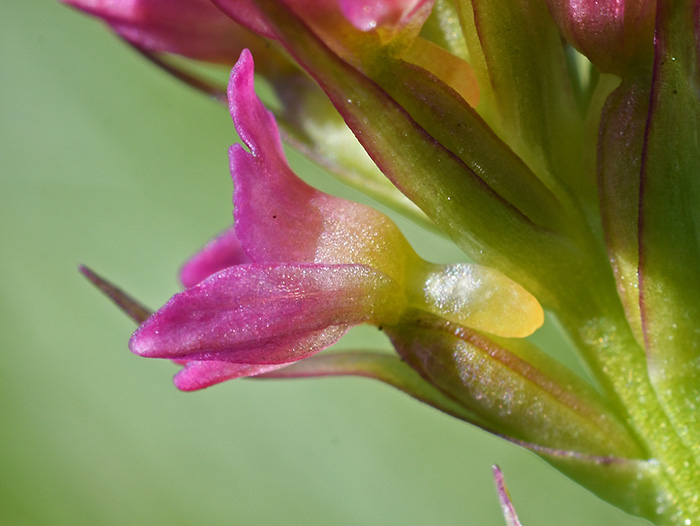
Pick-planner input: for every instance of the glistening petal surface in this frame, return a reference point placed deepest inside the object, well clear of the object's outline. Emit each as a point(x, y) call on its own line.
point(266, 314)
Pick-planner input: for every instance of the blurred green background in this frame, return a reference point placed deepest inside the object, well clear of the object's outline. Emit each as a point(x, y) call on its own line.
point(107, 161)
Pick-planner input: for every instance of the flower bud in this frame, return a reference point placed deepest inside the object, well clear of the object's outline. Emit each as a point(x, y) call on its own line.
point(616, 35)
point(394, 14)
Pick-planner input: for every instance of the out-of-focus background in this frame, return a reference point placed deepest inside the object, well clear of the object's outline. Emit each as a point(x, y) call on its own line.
point(107, 161)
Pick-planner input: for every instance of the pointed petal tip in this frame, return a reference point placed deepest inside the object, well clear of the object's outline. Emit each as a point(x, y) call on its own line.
point(85, 271)
point(241, 76)
point(504, 498)
point(126, 303)
point(497, 476)
point(255, 125)
point(141, 345)
point(90, 274)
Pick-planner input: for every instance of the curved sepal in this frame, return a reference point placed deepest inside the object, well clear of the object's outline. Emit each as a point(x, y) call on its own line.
point(200, 374)
point(132, 308)
point(220, 253)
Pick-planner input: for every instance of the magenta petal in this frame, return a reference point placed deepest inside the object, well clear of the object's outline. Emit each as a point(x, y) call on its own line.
point(194, 28)
point(200, 374)
point(274, 221)
point(367, 15)
point(255, 124)
point(279, 218)
point(221, 252)
point(265, 314)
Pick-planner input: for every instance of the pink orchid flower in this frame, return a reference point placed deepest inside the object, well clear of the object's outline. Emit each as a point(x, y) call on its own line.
point(478, 120)
point(301, 267)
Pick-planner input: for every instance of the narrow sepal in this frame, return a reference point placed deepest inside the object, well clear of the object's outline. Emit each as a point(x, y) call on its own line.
point(183, 74)
point(504, 498)
point(132, 308)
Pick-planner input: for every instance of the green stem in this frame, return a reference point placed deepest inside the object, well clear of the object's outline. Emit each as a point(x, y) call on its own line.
point(600, 331)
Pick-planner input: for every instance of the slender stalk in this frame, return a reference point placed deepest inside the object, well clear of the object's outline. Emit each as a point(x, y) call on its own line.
point(621, 363)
